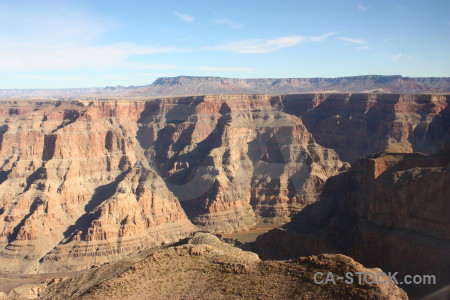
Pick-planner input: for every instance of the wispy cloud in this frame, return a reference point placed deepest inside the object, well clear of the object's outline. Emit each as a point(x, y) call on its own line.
point(223, 69)
point(68, 40)
point(158, 74)
point(361, 6)
point(50, 78)
point(320, 38)
point(184, 17)
point(400, 57)
point(266, 45)
point(34, 56)
point(352, 40)
point(230, 24)
point(144, 66)
point(363, 48)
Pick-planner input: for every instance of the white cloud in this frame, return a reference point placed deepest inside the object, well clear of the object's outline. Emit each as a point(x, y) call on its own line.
point(400, 57)
point(352, 40)
point(158, 74)
point(48, 23)
point(223, 69)
point(51, 78)
point(361, 6)
point(60, 38)
point(184, 17)
point(320, 38)
point(230, 24)
point(266, 45)
point(363, 48)
point(153, 66)
point(34, 56)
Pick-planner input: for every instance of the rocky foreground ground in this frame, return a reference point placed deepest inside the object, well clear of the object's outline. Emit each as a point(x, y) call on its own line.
point(204, 267)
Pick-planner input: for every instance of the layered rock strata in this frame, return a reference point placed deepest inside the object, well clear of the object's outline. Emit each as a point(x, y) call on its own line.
point(83, 182)
point(75, 188)
point(388, 210)
point(88, 180)
point(356, 125)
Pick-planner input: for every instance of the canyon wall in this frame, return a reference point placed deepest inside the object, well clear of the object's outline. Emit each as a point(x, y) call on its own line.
point(356, 125)
point(84, 181)
point(75, 186)
point(388, 210)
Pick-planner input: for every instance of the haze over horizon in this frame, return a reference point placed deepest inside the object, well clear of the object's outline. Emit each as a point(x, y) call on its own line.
point(71, 44)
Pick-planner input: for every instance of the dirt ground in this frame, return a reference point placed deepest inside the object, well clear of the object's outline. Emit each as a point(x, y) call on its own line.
point(9, 281)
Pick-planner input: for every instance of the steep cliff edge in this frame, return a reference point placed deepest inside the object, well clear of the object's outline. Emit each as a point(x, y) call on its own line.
point(388, 210)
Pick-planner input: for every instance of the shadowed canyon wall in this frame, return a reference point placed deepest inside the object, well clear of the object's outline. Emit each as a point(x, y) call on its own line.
point(388, 210)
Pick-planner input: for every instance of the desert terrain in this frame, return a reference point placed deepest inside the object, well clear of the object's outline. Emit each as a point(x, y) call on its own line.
point(87, 183)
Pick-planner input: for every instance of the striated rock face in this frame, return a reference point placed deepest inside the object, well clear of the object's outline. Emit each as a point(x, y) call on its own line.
point(206, 268)
point(75, 186)
point(231, 160)
point(356, 125)
point(388, 210)
point(86, 181)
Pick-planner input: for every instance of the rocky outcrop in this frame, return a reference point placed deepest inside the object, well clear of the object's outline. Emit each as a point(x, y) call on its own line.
point(207, 268)
point(189, 85)
point(388, 210)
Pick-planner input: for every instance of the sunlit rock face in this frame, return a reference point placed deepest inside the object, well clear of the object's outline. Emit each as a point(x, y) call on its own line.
point(84, 182)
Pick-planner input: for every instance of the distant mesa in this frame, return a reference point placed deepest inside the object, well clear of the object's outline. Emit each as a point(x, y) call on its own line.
point(191, 86)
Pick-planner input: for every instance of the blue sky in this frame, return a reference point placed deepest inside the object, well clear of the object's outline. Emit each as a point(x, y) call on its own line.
point(58, 44)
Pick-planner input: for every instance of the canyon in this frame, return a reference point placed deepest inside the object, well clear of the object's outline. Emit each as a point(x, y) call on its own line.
point(84, 182)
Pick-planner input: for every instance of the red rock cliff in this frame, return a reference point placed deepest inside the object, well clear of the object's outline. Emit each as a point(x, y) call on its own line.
point(388, 211)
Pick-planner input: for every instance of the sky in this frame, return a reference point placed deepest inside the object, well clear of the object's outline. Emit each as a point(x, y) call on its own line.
point(97, 43)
